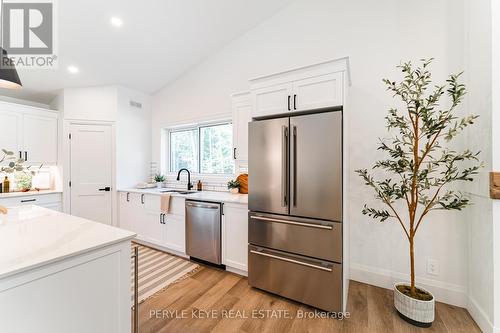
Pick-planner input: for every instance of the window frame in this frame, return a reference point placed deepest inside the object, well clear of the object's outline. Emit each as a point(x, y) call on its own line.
point(198, 127)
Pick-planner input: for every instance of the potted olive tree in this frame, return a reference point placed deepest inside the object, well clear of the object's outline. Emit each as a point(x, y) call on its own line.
point(419, 168)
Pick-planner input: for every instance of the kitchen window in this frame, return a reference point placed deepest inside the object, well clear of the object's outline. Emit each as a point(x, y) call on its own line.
point(205, 149)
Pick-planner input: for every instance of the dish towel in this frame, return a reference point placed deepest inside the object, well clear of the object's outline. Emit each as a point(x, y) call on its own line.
point(165, 203)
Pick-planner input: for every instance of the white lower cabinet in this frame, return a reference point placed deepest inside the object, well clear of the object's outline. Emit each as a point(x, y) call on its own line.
point(235, 236)
point(51, 201)
point(174, 231)
point(140, 213)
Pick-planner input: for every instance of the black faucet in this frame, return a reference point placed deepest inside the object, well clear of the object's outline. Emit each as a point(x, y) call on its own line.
point(190, 186)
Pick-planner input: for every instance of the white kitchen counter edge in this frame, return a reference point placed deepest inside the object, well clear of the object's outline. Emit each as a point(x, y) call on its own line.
point(225, 197)
point(117, 236)
point(27, 194)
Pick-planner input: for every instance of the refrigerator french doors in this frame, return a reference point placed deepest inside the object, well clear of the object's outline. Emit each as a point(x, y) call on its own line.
point(296, 166)
point(295, 203)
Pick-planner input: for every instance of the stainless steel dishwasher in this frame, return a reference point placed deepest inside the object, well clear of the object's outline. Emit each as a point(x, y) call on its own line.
point(203, 231)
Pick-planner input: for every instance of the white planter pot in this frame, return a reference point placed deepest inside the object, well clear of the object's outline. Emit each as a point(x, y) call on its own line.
point(159, 185)
point(234, 190)
point(414, 311)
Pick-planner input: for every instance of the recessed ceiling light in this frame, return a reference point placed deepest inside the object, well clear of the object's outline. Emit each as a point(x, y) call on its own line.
point(73, 69)
point(116, 21)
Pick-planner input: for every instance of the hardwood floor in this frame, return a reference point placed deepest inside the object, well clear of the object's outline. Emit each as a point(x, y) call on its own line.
point(216, 301)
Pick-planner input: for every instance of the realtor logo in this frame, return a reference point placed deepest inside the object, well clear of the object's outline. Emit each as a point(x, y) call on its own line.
point(28, 33)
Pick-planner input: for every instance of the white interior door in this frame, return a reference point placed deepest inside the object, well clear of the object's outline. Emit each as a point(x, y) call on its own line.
point(91, 172)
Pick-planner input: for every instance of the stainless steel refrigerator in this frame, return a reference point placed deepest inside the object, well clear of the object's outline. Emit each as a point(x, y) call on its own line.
point(295, 203)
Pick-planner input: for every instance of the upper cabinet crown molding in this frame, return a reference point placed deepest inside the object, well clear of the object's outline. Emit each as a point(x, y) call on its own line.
point(311, 87)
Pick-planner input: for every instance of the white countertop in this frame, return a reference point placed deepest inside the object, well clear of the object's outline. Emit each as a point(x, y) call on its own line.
point(225, 197)
point(32, 236)
point(25, 194)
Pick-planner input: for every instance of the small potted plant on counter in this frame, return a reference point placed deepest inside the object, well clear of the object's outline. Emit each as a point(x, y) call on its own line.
point(233, 186)
point(159, 179)
point(415, 177)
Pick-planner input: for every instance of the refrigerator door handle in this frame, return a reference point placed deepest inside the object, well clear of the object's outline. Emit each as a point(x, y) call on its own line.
point(309, 225)
point(291, 260)
point(284, 165)
point(294, 166)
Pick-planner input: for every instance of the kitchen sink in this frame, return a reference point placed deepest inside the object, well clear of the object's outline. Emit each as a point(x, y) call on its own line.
point(177, 191)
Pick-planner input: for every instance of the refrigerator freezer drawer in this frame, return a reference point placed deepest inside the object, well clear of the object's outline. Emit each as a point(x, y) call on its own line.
point(312, 282)
point(312, 238)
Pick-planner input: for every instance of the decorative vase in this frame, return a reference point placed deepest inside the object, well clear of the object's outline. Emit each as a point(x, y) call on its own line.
point(159, 185)
point(416, 312)
point(234, 190)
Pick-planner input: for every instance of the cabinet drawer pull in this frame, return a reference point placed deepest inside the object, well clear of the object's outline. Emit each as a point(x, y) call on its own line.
point(28, 200)
point(142, 199)
point(128, 196)
point(291, 260)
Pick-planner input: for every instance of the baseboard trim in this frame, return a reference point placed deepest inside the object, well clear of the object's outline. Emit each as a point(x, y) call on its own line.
point(443, 292)
point(480, 317)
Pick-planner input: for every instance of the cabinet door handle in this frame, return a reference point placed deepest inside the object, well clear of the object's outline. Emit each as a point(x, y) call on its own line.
point(128, 196)
point(234, 153)
point(295, 102)
point(142, 199)
point(20, 154)
point(288, 102)
point(161, 218)
point(25, 155)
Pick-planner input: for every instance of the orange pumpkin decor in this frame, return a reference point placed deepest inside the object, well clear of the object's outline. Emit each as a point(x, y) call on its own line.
point(243, 180)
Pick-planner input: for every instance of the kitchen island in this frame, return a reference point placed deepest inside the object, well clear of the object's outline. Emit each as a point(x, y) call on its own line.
point(61, 273)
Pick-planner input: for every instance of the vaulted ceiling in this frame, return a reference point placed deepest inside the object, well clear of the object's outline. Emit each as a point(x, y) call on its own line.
point(158, 41)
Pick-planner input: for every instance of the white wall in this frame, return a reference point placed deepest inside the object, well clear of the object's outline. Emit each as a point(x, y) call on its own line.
point(478, 71)
point(133, 138)
point(92, 103)
point(376, 35)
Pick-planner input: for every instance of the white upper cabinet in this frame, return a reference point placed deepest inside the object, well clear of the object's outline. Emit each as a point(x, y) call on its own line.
point(10, 138)
point(242, 109)
point(317, 92)
point(40, 138)
point(272, 99)
point(31, 133)
point(306, 88)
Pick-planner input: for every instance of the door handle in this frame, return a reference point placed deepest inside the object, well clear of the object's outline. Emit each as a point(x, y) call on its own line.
point(288, 102)
point(295, 102)
point(308, 225)
point(142, 199)
point(107, 189)
point(294, 166)
point(284, 165)
point(291, 260)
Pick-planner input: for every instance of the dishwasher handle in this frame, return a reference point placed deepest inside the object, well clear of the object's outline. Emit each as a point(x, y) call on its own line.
point(199, 205)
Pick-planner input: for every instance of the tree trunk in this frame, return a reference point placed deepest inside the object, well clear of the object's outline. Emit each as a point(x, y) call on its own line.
point(412, 269)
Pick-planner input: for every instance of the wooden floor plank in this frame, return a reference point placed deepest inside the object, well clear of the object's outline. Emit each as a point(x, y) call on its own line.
point(371, 310)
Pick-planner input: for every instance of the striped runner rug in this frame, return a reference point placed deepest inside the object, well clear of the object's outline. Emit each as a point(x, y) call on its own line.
point(157, 270)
